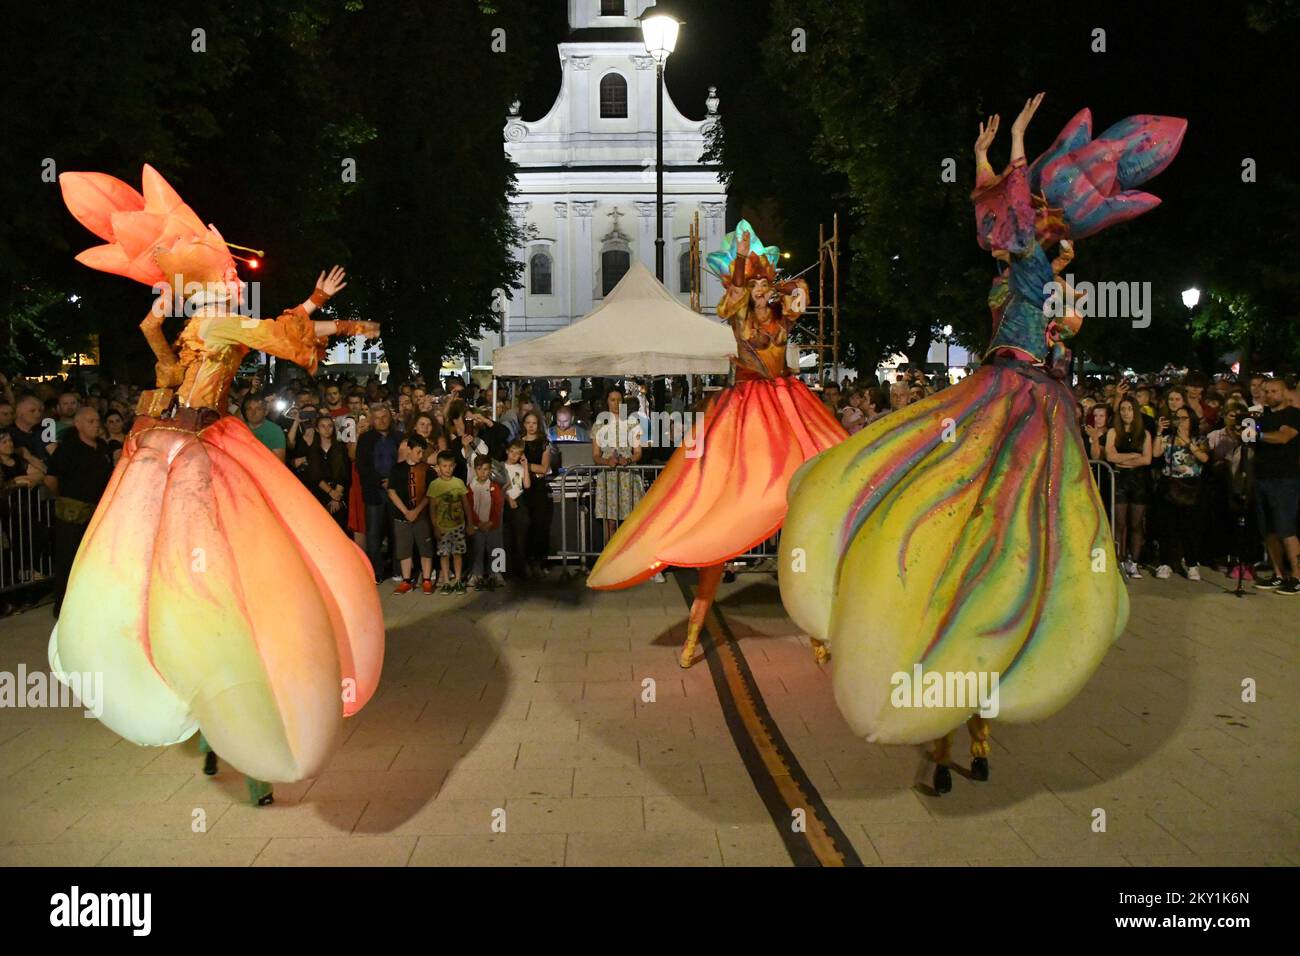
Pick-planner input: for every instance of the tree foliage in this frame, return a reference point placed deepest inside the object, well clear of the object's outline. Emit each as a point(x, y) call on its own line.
point(888, 92)
point(251, 120)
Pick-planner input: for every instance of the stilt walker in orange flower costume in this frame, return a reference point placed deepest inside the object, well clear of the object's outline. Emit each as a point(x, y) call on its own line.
point(211, 589)
point(723, 491)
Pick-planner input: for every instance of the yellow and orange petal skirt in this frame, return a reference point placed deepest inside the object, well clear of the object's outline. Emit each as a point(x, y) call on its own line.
point(723, 491)
point(213, 591)
point(962, 534)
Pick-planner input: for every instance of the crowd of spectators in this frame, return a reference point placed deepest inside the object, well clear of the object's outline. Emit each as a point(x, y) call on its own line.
point(444, 492)
point(1203, 472)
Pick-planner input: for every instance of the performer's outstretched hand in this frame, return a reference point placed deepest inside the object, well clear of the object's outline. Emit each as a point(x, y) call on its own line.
point(333, 283)
point(742, 246)
point(1021, 124)
point(1022, 121)
point(988, 131)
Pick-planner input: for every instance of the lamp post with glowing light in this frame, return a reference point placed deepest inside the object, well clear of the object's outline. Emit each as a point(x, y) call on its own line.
point(659, 31)
point(947, 354)
point(1191, 299)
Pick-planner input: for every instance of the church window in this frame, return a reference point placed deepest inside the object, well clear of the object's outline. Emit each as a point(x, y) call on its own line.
point(614, 264)
point(613, 97)
point(539, 274)
point(684, 271)
point(613, 8)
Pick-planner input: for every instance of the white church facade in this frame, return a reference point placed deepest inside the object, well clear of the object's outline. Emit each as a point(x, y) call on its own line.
point(587, 179)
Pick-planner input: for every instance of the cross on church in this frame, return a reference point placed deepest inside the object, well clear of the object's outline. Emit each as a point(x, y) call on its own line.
point(616, 214)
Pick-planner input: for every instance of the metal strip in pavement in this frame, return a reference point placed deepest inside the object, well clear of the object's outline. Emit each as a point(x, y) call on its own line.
point(781, 782)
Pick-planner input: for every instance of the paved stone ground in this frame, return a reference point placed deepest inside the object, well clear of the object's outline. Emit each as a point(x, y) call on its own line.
point(531, 703)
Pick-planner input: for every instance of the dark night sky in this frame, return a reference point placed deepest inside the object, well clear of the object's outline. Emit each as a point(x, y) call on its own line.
point(1236, 87)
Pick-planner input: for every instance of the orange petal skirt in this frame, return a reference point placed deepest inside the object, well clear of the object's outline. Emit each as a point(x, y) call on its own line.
point(724, 490)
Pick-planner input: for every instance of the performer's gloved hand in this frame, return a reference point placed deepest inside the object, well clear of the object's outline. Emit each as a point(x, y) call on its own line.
point(328, 286)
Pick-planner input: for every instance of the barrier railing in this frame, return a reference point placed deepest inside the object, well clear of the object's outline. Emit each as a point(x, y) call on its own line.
point(1103, 476)
point(585, 495)
point(26, 526)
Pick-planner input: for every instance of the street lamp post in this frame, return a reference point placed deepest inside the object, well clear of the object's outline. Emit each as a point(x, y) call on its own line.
point(1191, 299)
point(659, 31)
point(947, 355)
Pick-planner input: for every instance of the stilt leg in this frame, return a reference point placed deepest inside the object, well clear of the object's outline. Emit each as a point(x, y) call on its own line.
point(821, 651)
point(704, 592)
point(209, 756)
point(979, 747)
point(941, 754)
point(259, 791)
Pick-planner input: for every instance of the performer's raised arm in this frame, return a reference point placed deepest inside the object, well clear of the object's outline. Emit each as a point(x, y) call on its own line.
point(1020, 125)
point(1004, 210)
point(294, 335)
point(167, 370)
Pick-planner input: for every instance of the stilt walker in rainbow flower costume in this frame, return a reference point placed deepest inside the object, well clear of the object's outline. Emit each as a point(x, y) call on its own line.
point(211, 589)
point(723, 490)
point(963, 535)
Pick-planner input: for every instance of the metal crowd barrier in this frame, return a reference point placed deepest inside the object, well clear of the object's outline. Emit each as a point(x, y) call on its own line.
point(1103, 476)
point(578, 535)
point(26, 527)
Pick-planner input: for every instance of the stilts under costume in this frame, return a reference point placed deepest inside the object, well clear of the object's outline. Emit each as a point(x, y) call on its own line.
point(723, 490)
point(212, 590)
point(963, 534)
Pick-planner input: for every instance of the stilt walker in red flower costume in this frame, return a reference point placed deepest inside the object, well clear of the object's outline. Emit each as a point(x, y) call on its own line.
point(211, 589)
point(723, 491)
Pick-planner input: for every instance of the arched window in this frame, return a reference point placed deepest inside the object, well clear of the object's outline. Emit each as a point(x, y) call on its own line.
point(684, 271)
point(613, 8)
point(613, 97)
point(614, 264)
point(539, 274)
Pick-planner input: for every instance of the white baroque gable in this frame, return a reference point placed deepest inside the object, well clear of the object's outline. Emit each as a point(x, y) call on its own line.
point(587, 182)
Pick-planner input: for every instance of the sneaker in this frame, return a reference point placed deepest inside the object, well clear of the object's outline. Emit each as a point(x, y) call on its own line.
point(404, 588)
point(1292, 586)
point(445, 588)
point(458, 587)
point(1130, 569)
point(397, 577)
point(427, 586)
point(658, 577)
point(473, 581)
point(1193, 572)
point(1164, 571)
point(1241, 571)
point(1270, 583)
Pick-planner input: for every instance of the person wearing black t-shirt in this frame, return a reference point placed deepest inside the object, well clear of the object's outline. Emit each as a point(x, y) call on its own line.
point(78, 474)
point(1277, 486)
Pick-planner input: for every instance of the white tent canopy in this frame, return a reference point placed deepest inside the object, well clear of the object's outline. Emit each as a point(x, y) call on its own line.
point(640, 329)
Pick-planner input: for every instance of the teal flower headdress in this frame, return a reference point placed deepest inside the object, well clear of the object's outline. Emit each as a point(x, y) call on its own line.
point(720, 262)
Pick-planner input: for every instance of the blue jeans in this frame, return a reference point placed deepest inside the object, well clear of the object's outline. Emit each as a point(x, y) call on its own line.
point(484, 545)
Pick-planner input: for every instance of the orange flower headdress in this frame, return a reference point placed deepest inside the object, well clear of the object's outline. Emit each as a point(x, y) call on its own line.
point(152, 237)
